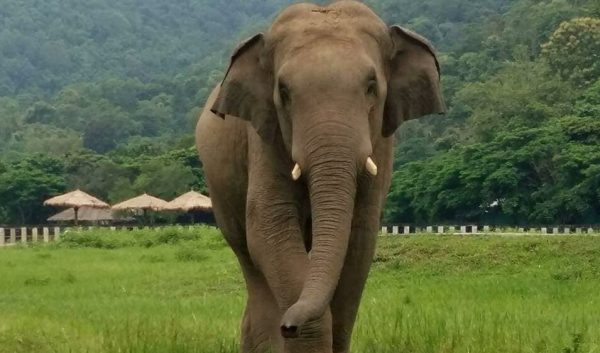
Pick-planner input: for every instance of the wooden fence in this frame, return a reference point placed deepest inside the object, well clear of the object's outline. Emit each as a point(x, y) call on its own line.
point(482, 230)
point(26, 235)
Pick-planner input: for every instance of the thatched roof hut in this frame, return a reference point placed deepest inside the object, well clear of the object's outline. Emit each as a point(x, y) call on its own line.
point(88, 214)
point(76, 199)
point(143, 202)
point(190, 201)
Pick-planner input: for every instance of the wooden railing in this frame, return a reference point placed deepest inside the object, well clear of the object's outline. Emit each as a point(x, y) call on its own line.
point(26, 235)
point(481, 230)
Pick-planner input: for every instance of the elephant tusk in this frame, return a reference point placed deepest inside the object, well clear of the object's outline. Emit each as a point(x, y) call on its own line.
point(297, 172)
point(371, 166)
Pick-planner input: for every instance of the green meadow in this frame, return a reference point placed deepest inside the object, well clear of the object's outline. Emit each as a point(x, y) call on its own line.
point(178, 290)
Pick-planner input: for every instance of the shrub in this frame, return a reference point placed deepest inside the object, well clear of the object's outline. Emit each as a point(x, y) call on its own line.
point(207, 237)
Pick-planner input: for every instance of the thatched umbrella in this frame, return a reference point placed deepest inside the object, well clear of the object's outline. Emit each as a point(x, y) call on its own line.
point(143, 202)
point(76, 199)
point(189, 202)
point(87, 214)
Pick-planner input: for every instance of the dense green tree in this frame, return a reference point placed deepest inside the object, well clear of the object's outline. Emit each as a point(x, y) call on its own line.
point(26, 184)
point(165, 179)
point(573, 50)
point(44, 139)
point(112, 90)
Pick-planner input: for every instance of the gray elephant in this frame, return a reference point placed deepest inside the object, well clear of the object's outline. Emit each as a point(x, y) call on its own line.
point(297, 145)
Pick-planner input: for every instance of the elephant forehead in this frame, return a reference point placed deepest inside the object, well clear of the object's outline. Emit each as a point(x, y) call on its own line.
point(346, 21)
point(326, 62)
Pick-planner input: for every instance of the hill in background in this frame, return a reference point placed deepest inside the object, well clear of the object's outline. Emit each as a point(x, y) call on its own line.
point(115, 87)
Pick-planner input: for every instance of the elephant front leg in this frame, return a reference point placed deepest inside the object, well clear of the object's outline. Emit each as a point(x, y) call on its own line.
point(359, 257)
point(277, 248)
point(261, 314)
point(345, 303)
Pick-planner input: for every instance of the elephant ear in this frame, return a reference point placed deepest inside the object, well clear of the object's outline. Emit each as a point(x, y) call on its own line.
point(247, 89)
point(414, 83)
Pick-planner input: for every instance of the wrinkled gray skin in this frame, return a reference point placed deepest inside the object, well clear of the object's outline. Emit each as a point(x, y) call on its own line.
point(325, 87)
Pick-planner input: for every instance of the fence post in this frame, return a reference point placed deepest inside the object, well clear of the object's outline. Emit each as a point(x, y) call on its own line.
point(406, 230)
point(567, 230)
point(2, 235)
point(56, 233)
point(555, 230)
point(384, 230)
point(463, 229)
point(394, 230)
point(544, 230)
point(440, 229)
point(474, 229)
point(34, 235)
point(46, 233)
point(486, 229)
point(24, 235)
point(577, 230)
point(13, 236)
point(590, 230)
point(429, 229)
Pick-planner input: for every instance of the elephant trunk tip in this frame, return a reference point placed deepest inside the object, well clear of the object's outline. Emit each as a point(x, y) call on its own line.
point(290, 331)
point(293, 319)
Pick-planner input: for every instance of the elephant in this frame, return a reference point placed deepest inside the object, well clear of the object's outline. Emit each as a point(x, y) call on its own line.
point(296, 144)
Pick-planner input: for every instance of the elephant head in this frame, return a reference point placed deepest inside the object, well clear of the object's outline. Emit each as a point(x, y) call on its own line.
point(327, 84)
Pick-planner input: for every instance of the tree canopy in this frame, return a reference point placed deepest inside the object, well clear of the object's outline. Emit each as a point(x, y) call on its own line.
point(104, 95)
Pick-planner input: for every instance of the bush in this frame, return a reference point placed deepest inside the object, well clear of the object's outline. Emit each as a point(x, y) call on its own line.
point(206, 237)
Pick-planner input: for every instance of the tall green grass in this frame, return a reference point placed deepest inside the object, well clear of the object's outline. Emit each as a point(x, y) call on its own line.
point(177, 290)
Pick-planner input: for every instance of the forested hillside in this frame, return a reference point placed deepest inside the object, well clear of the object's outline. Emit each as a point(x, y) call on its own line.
point(104, 94)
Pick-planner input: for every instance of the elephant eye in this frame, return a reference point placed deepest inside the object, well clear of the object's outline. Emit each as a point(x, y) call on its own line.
point(372, 88)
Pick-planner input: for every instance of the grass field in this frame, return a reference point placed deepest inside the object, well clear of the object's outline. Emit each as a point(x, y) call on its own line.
point(181, 291)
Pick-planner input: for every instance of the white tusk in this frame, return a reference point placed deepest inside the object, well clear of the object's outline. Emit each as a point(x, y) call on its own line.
point(297, 172)
point(371, 166)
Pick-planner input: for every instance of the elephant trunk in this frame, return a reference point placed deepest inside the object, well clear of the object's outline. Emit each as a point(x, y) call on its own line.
point(332, 187)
